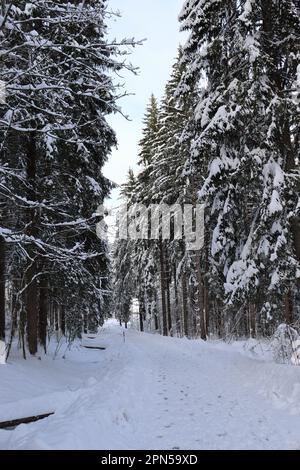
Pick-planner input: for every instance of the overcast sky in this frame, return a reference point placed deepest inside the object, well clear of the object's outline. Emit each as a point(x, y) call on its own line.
point(157, 21)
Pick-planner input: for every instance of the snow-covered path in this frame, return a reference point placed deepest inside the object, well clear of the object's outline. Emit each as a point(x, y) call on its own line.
point(151, 392)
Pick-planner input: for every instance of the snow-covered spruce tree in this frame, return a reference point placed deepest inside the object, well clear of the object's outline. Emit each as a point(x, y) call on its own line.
point(134, 268)
point(245, 128)
point(57, 66)
point(168, 186)
point(123, 260)
point(146, 251)
point(149, 132)
point(123, 282)
point(161, 270)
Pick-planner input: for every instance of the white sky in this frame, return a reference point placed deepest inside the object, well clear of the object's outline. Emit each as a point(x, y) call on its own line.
point(157, 21)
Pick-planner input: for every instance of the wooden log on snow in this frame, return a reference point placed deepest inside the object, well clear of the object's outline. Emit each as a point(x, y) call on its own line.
point(102, 348)
point(29, 419)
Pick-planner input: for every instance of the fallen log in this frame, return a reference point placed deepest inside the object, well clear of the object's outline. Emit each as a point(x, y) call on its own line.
point(29, 419)
point(94, 347)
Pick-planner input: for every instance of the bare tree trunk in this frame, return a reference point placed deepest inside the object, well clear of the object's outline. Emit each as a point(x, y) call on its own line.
point(177, 317)
point(155, 322)
point(206, 308)
point(163, 290)
point(206, 294)
point(62, 319)
point(43, 312)
point(252, 320)
point(56, 320)
point(31, 270)
point(22, 323)
point(51, 311)
point(200, 297)
point(141, 322)
point(2, 289)
point(32, 309)
point(185, 319)
point(141, 314)
point(167, 283)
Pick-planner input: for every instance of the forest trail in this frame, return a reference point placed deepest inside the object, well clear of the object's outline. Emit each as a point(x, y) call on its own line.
point(151, 392)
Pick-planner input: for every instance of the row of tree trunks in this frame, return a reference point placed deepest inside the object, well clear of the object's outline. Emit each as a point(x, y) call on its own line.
point(2, 289)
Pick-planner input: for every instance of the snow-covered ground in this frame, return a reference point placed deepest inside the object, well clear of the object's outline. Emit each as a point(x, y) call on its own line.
point(151, 392)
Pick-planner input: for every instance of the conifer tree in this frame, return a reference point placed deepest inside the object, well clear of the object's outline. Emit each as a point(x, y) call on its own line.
point(57, 66)
point(240, 121)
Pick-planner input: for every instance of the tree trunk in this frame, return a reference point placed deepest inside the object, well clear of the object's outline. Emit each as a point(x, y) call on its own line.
point(141, 321)
point(252, 320)
point(185, 319)
point(141, 313)
point(200, 297)
point(56, 321)
point(167, 277)
point(62, 319)
point(206, 308)
point(206, 293)
point(163, 290)
point(177, 317)
point(43, 312)
point(31, 270)
point(155, 322)
point(32, 309)
point(2, 289)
